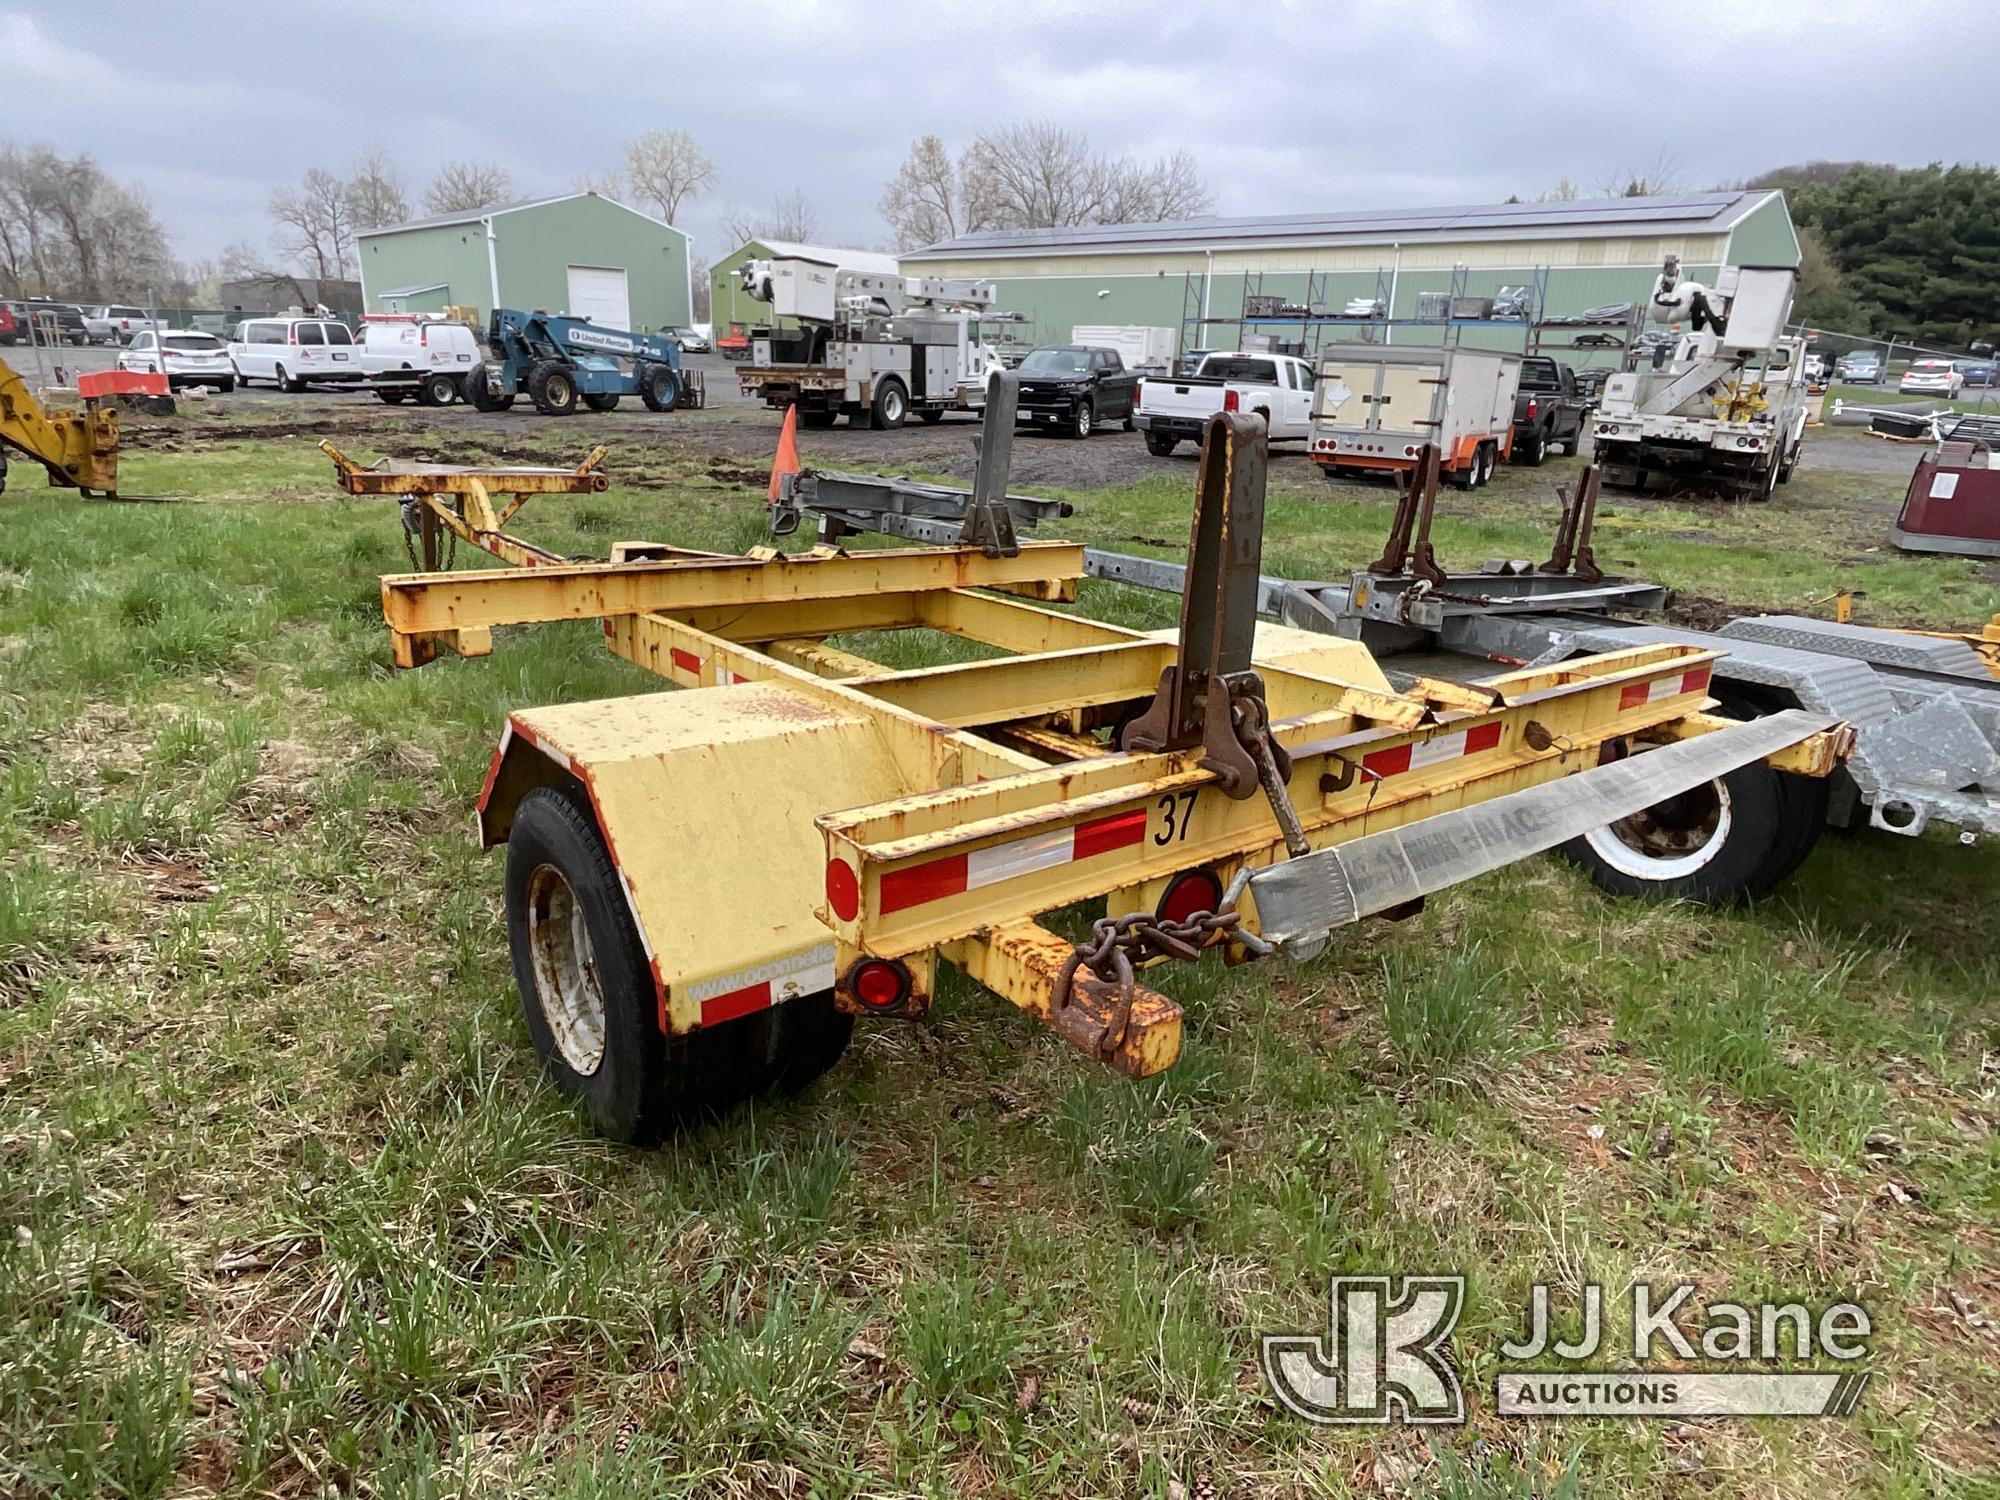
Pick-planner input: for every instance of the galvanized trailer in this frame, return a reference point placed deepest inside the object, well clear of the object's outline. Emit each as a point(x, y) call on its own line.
point(706, 887)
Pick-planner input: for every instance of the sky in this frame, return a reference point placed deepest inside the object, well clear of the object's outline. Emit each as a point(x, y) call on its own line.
point(207, 107)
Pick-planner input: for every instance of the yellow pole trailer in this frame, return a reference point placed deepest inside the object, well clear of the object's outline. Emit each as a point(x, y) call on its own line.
point(706, 887)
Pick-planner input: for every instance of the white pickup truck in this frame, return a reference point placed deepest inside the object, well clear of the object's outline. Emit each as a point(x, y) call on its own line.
point(1173, 408)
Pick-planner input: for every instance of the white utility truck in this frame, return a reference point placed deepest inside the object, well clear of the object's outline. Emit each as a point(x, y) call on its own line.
point(1378, 404)
point(870, 346)
point(1172, 409)
point(1727, 411)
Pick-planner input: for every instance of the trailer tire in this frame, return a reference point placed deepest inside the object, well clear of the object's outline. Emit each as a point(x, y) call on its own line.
point(930, 416)
point(1159, 445)
point(659, 388)
point(1761, 824)
point(480, 396)
point(818, 421)
point(552, 388)
point(892, 405)
point(789, 1045)
point(601, 400)
point(437, 390)
point(591, 1006)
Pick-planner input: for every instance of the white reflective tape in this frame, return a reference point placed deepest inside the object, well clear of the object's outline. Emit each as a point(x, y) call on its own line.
point(1021, 857)
point(1444, 747)
point(793, 975)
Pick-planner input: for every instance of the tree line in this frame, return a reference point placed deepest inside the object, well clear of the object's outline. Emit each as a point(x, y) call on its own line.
point(1909, 252)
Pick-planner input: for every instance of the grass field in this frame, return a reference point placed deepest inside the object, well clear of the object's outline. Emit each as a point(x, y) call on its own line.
point(284, 1208)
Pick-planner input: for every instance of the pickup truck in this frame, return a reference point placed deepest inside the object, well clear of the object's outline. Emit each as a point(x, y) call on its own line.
point(1075, 389)
point(1171, 408)
point(119, 325)
point(1548, 412)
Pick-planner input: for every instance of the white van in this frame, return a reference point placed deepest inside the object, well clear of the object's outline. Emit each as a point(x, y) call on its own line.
point(293, 353)
point(411, 354)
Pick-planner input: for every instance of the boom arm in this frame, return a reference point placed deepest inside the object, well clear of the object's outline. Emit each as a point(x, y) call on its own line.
point(80, 450)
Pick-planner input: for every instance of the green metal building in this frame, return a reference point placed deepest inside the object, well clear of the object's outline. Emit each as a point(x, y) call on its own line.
point(729, 303)
point(579, 253)
point(1195, 276)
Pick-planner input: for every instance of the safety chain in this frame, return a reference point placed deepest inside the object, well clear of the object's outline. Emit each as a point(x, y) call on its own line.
point(1118, 944)
point(413, 525)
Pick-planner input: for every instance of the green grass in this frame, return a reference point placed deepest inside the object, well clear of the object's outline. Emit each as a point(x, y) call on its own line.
point(284, 1208)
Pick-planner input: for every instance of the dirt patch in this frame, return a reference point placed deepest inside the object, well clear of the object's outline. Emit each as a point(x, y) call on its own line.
point(1699, 612)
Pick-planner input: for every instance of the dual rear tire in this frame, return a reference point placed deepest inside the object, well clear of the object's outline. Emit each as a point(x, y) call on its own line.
point(590, 1002)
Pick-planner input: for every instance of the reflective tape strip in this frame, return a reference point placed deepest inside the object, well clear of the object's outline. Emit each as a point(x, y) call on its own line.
point(1638, 694)
point(1420, 753)
point(933, 881)
point(687, 661)
point(732, 995)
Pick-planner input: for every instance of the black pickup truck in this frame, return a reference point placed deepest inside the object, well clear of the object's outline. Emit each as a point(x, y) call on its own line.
point(1075, 390)
point(1548, 412)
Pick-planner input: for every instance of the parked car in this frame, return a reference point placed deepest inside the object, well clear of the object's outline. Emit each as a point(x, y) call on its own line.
point(293, 353)
point(406, 355)
point(1860, 368)
point(1075, 389)
point(59, 322)
point(117, 325)
point(1932, 377)
point(1548, 412)
point(11, 329)
point(1980, 372)
point(691, 340)
point(1171, 409)
point(187, 358)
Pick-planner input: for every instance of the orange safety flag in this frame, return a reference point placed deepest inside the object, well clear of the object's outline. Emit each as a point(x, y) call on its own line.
point(788, 454)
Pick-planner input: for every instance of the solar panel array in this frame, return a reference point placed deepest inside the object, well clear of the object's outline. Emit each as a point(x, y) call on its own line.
point(1606, 214)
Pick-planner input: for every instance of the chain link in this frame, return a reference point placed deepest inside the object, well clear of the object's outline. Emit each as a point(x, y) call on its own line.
point(1117, 945)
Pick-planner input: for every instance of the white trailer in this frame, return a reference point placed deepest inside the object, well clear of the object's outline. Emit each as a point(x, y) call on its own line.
point(869, 346)
point(1143, 349)
point(1376, 405)
point(1728, 410)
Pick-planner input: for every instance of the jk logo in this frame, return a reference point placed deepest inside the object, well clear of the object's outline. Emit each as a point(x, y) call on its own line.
point(1381, 1359)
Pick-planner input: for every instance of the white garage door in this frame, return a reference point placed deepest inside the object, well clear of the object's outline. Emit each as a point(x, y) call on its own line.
point(600, 294)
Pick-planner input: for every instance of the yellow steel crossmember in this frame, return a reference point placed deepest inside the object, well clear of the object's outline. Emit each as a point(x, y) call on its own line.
point(423, 608)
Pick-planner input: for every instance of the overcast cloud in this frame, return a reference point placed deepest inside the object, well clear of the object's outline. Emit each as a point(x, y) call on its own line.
point(1286, 107)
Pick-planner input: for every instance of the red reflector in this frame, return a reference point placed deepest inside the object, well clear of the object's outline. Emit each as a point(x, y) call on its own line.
point(1634, 695)
point(843, 889)
point(879, 983)
point(920, 883)
point(687, 661)
point(1695, 681)
point(1192, 892)
point(1388, 762)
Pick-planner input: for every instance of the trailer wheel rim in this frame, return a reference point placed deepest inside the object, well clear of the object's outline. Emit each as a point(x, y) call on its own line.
point(1671, 840)
point(892, 405)
point(567, 987)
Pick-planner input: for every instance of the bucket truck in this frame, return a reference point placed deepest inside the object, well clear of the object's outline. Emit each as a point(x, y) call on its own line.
point(870, 346)
point(1725, 409)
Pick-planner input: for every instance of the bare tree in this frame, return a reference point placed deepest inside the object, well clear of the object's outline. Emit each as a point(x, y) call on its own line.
point(375, 195)
point(698, 280)
point(315, 224)
point(1663, 178)
point(66, 228)
point(1564, 191)
point(668, 169)
point(606, 184)
point(1041, 176)
point(790, 217)
point(925, 201)
point(465, 186)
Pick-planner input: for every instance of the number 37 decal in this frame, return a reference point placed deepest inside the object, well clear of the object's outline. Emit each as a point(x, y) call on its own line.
point(1176, 811)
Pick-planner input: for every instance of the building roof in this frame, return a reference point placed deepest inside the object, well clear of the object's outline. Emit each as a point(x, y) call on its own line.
point(411, 291)
point(868, 262)
point(474, 215)
point(1690, 213)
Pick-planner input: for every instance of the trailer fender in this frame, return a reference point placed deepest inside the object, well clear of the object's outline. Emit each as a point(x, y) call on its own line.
point(706, 799)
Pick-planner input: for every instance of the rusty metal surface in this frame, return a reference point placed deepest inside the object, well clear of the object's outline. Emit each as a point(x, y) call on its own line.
point(1579, 515)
